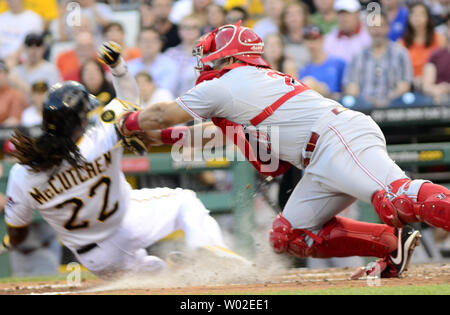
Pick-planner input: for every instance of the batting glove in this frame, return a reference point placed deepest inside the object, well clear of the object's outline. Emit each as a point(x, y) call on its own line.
point(109, 54)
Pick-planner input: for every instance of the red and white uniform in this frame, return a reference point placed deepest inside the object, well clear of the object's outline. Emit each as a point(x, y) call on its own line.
point(342, 152)
point(241, 94)
point(349, 160)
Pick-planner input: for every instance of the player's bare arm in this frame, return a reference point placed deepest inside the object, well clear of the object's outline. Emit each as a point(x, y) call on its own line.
point(124, 84)
point(162, 115)
point(402, 88)
point(16, 235)
point(187, 136)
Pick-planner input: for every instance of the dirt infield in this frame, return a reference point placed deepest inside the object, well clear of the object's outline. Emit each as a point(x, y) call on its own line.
point(291, 281)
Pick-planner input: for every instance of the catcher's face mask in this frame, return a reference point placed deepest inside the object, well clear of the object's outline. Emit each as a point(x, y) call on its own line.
point(230, 41)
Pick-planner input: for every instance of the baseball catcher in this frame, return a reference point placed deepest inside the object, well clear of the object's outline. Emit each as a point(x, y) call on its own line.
point(342, 152)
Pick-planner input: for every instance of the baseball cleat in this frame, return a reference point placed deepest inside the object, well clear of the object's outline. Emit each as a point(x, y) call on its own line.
point(395, 264)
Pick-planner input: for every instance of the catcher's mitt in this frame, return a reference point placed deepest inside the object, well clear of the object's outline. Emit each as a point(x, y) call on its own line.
point(133, 140)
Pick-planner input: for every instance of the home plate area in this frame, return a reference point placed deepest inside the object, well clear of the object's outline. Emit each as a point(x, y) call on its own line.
point(292, 281)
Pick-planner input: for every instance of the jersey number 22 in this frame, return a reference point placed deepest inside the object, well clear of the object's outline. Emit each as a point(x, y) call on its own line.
point(78, 205)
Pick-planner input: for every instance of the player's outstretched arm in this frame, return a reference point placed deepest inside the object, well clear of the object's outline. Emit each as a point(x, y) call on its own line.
point(157, 116)
point(124, 83)
point(197, 136)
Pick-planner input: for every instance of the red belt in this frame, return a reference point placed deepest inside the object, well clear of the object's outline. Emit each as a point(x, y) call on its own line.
point(310, 147)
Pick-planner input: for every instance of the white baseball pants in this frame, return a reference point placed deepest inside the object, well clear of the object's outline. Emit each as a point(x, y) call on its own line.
point(350, 162)
point(153, 214)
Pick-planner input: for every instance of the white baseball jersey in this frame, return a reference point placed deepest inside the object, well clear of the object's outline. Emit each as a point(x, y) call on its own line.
point(234, 97)
point(84, 205)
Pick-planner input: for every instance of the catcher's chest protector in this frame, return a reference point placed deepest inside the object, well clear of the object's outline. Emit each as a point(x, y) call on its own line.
point(239, 136)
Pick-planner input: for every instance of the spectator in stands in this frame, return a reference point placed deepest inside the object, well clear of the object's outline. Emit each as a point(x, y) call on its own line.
point(275, 55)
point(199, 8)
point(69, 24)
point(436, 74)
point(350, 36)
point(15, 24)
point(189, 30)
point(163, 69)
point(35, 68)
point(47, 9)
point(215, 17)
point(115, 32)
point(398, 17)
point(236, 14)
point(12, 101)
point(69, 62)
point(146, 15)
point(93, 16)
point(440, 10)
point(161, 10)
point(326, 16)
point(421, 39)
point(93, 77)
point(183, 8)
point(324, 73)
point(294, 18)
point(100, 13)
point(150, 93)
point(382, 72)
point(270, 24)
point(32, 116)
point(254, 8)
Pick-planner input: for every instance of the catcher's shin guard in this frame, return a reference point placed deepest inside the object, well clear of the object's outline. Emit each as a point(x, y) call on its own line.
point(340, 237)
point(413, 201)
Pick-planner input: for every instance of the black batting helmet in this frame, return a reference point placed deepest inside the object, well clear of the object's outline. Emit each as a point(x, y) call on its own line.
point(66, 108)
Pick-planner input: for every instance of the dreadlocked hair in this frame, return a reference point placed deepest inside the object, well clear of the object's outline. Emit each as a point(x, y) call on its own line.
point(46, 151)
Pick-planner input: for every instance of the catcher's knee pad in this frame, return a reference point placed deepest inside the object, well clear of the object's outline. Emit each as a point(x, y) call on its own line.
point(340, 237)
point(396, 212)
point(435, 211)
point(402, 204)
point(284, 238)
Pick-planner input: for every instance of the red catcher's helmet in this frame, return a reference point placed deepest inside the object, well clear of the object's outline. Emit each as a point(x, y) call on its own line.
point(231, 41)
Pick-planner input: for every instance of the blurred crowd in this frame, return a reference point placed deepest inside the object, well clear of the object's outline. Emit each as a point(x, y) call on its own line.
point(365, 54)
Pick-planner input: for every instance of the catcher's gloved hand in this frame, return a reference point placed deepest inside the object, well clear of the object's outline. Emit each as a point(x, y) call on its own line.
point(109, 54)
point(132, 140)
